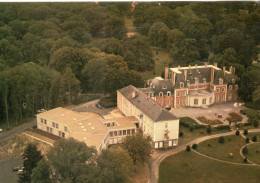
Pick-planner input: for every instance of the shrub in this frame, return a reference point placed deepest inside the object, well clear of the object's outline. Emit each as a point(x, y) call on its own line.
point(203, 119)
point(209, 144)
point(237, 132)
point(250, 113)
point(254, 139)
point(191, 128)
point(221, 140)
point(245, 160)
point(245, 150)
point(247, 140)
point(223, 127)
point(208, 129)
point(245, 131)
point(255, 122)
point(187, 122)
point(202, 131)
point(194, 146)
point(34, 126)
point(188, 148)
point(180, 134)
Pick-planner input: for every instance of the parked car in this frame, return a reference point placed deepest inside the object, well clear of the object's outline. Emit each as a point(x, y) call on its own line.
point(1, 129)
point(20, 171)
point(99, 106)
point(15, 169)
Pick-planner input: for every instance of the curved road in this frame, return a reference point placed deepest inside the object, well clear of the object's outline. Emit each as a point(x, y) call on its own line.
point(154, 168)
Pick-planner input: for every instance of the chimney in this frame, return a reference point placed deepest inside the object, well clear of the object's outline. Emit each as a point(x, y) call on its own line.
point(206, 64)
point(212, 75)
point(179, 67)
point(196, 66)
point(166, 71)
point(185, 75)
point(189, 66)
point(173, 78)
point(216, 64)
point(232, 70)
point(224, 70)
point(134, 94)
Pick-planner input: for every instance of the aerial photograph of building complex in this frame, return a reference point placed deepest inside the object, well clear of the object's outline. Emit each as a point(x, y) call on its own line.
point(130, 92)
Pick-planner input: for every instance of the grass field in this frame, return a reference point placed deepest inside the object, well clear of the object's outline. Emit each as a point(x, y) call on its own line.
point(232, 144)
point(192, 168)
point(253, 153)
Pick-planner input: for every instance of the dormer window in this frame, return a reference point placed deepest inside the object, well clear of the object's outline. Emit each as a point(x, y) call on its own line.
point(220, 81)
point(204, 80)
point(164, 87)
point(160, 94)
point(168, 93)
point(181, 84)
point(236, 87)
point(230, 87)
point(196, 80)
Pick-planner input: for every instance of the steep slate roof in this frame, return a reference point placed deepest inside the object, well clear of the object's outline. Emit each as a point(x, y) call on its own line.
point(163, 86)
point(146, 105)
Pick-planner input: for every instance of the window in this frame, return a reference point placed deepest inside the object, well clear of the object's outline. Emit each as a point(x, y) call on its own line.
point(230, 97)
point(217, 90)
point(223, 89)
point(178, 102)
point(65, 129)
point(183, 102)
point(210, 100)
point(178, 94)
point(128, 132)
point(196, 101)
point(48, 129)
point(222, 97)
point(119, 133)
point(133, 131)
point(57, 125)
point(53, 124)
point(181, 84)
point(204, 101)
point(196, 80)
point(166, 125)
point(41, 120)
point(168, 93)
point(168, 102)
point(111, 134)
point(115, 133)
point(230, 87)
point(160, 94)
point(44, 121)
point(124, 132)
point(164, 87)
point(217, 99)
point(220, 81)
point(183, 93)
point(236, 87)
point(51, 130)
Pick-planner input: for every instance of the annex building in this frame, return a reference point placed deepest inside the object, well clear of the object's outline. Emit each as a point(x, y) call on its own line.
point(193, 86)
point(90, 128)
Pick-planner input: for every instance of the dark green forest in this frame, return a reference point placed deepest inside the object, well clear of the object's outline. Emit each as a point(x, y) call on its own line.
point(52, 52)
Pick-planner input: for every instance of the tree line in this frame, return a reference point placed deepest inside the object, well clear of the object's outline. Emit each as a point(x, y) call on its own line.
point(50, 52)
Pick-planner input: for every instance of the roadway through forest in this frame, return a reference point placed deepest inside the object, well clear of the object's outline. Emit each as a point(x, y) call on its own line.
point(154, 167)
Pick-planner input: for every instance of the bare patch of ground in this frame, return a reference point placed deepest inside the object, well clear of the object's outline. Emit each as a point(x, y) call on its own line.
point(142, 174)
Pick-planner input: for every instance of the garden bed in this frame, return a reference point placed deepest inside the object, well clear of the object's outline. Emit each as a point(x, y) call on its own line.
point(234, 117)
point(205, 120)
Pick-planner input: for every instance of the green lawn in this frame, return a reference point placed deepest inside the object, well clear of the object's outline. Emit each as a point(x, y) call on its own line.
point(192, 168)
point(254, 153)
point(232, 144)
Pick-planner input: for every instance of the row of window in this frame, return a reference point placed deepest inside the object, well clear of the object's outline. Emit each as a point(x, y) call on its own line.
point(50, 130)
point(204, 101)
point(231, 87)
point(54, 125)
point(122, 132)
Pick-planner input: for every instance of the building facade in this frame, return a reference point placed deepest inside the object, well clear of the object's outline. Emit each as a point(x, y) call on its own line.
point(193, 86)
point(154, 121)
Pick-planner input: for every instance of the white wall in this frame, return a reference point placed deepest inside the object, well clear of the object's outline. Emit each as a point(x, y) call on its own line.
point(173, 128)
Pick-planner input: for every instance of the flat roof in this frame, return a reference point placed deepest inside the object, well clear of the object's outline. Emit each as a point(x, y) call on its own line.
point(123, 122)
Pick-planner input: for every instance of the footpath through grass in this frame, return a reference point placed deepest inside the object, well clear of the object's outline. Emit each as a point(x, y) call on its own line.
point(220, 151)
point(191, 167)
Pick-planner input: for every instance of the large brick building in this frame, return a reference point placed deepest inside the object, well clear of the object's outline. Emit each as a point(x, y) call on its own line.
point(193, 86)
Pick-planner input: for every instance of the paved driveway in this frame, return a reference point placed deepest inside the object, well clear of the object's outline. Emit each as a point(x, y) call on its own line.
point(6, 170)
point(210, 113)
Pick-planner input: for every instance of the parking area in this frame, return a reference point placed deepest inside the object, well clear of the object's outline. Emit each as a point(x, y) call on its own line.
point(211, 113)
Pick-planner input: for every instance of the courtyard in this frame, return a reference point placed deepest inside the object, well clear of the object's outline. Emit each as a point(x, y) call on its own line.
point(211, 113)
